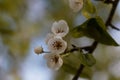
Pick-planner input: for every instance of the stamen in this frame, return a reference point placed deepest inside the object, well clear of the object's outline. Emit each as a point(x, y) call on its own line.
point(55, 59)
point(57, 45)
point(60, 31)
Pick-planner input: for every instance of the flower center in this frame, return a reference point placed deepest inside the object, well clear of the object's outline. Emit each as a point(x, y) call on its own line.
point(55, 59)
point(57, 45)
point(60, 31)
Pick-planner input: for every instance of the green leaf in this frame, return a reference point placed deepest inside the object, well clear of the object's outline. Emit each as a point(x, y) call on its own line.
point(72, 63)
point(87, 59)
point(79, 31)
point(94, 28)
point(88, 9)
point(61, 75)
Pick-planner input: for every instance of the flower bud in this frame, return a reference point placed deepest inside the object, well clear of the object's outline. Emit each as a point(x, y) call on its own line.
point(38, 50)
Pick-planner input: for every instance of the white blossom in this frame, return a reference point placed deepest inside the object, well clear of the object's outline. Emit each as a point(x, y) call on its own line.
point(57, 45)
point(48, 37)
point(76, 5)
point(60, 28)
point(38, 50)
point(54, 61)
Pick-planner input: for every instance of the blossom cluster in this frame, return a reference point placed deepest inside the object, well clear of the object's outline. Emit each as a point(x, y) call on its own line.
point(55, 44)
point(54, 40)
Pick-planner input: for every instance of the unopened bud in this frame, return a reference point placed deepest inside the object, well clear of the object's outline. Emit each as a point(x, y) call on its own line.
point(38, 50)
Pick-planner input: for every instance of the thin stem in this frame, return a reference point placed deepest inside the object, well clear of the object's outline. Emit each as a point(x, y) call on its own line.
point(78, 72)
point(112, 26)
point(108, 1)
point(46, 52)
point(109, 20)
point(86, 48)
point(93, 47)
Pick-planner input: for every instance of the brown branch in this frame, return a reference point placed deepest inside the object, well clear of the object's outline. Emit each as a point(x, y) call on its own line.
point(78, 72)
point(108, 1)
point(94, 45)
point(109, 20)
point(112, 26)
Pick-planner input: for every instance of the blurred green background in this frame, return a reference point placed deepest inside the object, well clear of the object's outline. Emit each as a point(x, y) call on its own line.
point(24, 25)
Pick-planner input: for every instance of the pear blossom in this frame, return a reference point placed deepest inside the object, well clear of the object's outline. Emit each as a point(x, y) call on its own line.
point(76, 5)
point(60, 28)
point(57, 45)
point(54, 61)
point(38, 50)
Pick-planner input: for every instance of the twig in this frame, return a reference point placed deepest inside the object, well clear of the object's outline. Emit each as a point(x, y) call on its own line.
point(112, 26)
point(108, 1)
point(95, 43)
point(90, 49)
point(79, 72)
point(115, 3)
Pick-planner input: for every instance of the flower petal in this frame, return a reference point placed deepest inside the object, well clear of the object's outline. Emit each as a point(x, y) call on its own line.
point(57, 45)
point(54, 61)
point(60, 28)
point(76, 5)
point(48, 37)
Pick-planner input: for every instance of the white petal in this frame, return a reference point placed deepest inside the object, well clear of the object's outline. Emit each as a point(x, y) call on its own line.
point(51, 63)
point(60, 28)
point(76, 5)
point(46, 56)
point(48, 37)
point(59, 64)
point(57, 45)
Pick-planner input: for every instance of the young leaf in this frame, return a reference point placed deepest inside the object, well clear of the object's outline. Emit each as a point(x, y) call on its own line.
point(87, 59)
point(79, 31)
point(90, 60)
point(88, 9)
point(96, 29)
point(72, 63)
